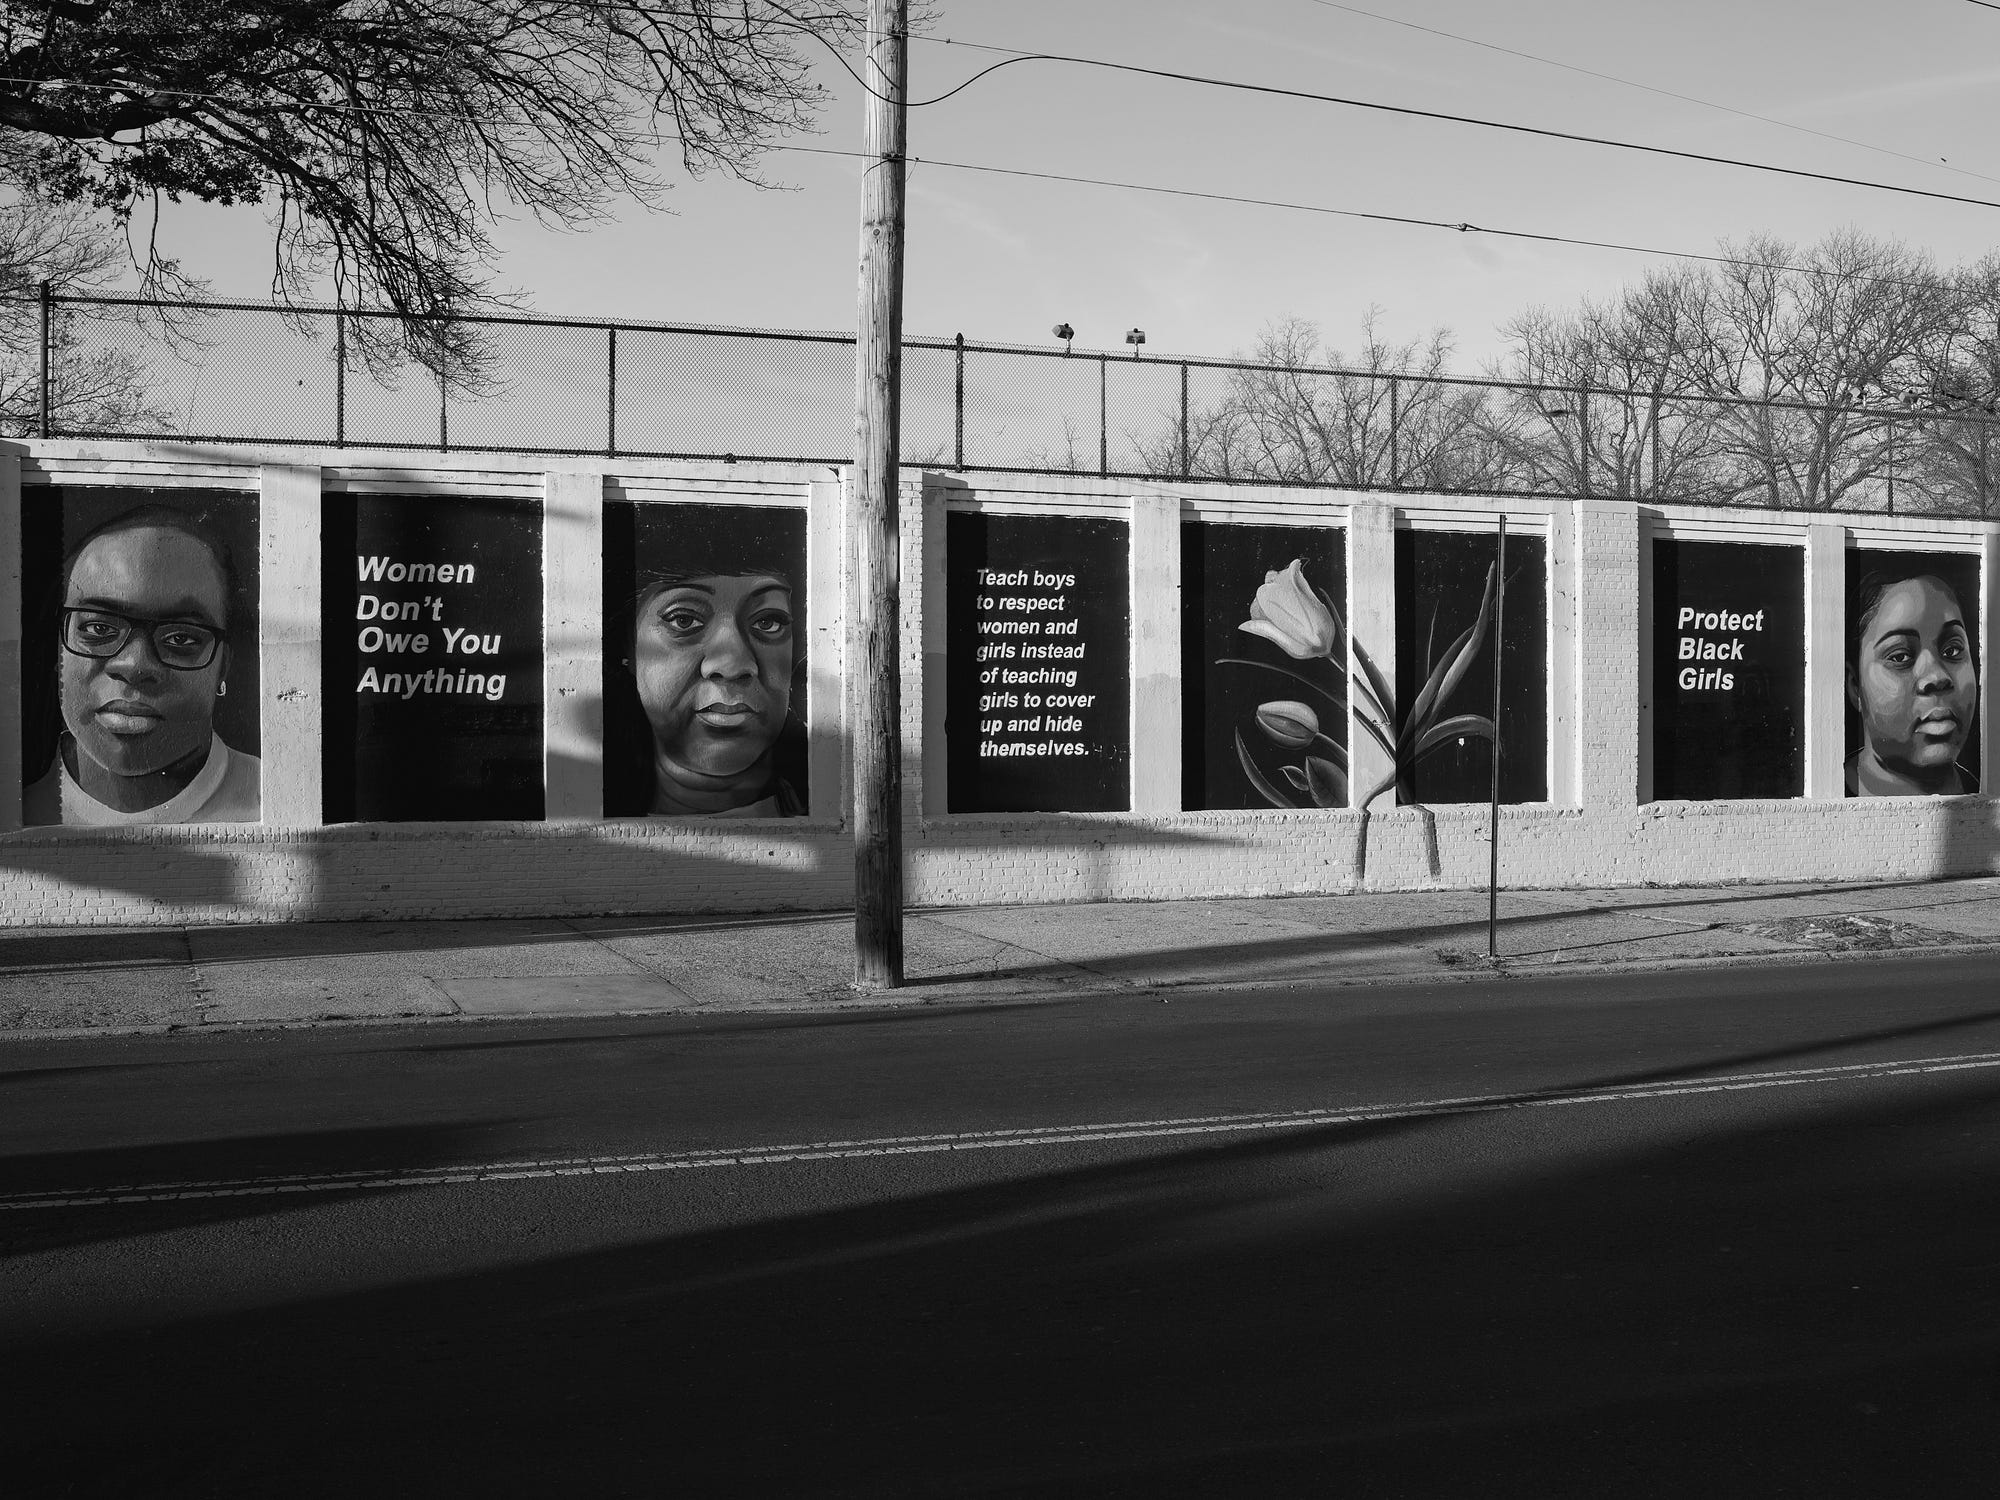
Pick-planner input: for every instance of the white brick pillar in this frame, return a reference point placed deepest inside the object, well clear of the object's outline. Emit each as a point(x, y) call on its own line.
point(1371, 620)
point(573, 647)
point(1565, 711)
point(10, 641)
point(1989, 656)
point(1155, 554)
point(1826, 658)
point(292, 713)
point(1611, 599)
point(827, 787)
point(930, 580)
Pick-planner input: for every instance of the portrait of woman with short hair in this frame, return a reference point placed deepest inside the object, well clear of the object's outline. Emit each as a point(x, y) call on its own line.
point(1912, 679)
point(143, 659)
point(704, 662)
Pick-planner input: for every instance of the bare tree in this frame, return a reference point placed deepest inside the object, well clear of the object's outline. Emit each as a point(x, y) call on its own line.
point(91, 385)
point(386, 135)
point(1301, 413)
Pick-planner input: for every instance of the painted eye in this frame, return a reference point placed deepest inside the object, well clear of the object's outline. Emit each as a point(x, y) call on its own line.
point(94, 628)
point(683, 621)
point(771, 625)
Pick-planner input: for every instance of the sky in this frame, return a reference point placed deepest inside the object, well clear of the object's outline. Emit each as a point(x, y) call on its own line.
point(1005, 258)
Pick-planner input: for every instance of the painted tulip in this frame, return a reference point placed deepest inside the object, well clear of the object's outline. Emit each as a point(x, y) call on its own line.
point(1288, 613)
point(1290, 724)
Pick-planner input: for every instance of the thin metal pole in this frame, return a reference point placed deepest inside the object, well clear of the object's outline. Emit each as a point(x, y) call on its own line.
point(1493, 812)
point(45, 358)
point(444, 417)
point(1103, 418)
point(611, 390)
point(339, 379)
point(1186, 463)
point(1395, 433)
point(958, 406)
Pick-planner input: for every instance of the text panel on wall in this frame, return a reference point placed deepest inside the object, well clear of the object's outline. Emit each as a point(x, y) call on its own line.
point(1729, 670)
point(433, 658)
point(1263, 666)
point(1038, 660)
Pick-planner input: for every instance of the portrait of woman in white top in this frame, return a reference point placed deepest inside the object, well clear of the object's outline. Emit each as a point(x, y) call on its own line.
point(143, 658)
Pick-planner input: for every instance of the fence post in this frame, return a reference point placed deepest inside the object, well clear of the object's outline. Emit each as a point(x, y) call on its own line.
point(340, 380)
point(1658, 488)
point(611, 391)
point(958, 406)
point(444, 416)
point(45, 359)
point(1103, 418)
point(1187, 467)
point(1395, 433)
point(1583, 439)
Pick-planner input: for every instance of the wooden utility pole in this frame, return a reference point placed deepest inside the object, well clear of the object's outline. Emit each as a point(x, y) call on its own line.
point(872, 628)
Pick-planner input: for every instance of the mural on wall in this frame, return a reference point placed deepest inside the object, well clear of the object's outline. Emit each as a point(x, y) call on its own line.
point(1263, 666)
point(1912, 675)
point(1037, 681)
point(1729, 670)
point(140, 694)
point(432, 659)
point(704, 661)
point(1445, 607)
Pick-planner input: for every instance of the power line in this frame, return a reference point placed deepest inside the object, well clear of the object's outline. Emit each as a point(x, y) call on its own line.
point(1355, 213)
point(1630, 83)
point(1432, 114)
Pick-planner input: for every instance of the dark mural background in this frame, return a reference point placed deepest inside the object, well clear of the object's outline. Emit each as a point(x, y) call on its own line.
point(53, 519)
point(1728, 701)
point(1440, 582)
point(642, 543)
point(1227, 672)
point(448, 750)
point(1958, 570)
point(1037, 622)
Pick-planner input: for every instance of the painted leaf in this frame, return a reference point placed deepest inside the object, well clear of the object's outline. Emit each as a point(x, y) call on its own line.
point(1326, 782)
point(1471, 726)
point(1257, 778)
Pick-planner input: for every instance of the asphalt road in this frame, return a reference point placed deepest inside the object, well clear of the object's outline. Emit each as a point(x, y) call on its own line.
point(1715, 1233)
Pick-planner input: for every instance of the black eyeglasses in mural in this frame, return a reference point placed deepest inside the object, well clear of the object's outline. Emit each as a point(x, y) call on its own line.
point(1912, 678)
point(182, 645)
point(149, 603)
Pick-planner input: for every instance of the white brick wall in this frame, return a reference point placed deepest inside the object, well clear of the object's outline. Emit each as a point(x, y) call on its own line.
point(1596, 830)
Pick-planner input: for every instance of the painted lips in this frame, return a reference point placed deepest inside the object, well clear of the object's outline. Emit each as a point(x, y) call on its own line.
point(725, 715)
point(1938, 723)
point(128, 716)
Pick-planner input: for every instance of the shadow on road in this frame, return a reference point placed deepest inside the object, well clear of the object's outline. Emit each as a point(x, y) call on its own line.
point(1757, 1302)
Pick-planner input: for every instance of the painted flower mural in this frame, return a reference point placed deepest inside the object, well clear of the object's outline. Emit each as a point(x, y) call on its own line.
point(1290, 613)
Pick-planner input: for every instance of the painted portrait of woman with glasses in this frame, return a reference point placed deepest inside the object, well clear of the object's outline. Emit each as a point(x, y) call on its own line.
point(143, 659)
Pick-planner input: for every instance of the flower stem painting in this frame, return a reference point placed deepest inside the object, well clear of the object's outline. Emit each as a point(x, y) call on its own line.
point(1303, 624)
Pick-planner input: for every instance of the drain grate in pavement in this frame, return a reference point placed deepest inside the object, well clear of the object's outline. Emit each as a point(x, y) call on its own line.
point(1844, 933)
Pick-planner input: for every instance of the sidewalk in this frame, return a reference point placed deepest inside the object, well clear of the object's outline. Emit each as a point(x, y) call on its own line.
point(84, 980)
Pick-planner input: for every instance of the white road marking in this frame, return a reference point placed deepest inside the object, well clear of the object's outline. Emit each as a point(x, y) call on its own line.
point(984, 1140)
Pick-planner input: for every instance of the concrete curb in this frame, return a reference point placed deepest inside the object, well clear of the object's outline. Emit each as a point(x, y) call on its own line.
point(830, 1002)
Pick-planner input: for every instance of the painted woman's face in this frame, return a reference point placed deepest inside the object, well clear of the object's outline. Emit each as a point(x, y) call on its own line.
point(131, 712)
point(1913, 679)
point(713, 657)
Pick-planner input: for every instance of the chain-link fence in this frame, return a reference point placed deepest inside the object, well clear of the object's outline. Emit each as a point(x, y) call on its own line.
point(247, 372)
